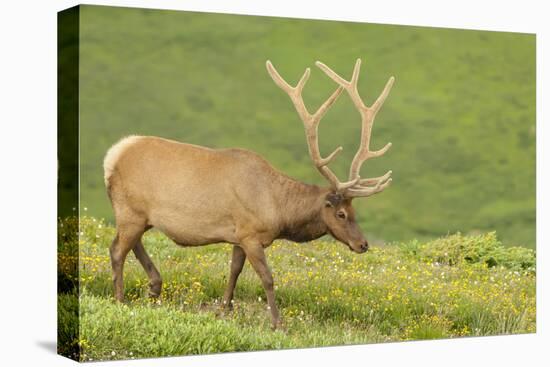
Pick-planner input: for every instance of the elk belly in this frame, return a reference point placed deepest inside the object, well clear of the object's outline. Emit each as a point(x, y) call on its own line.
point(196, 232)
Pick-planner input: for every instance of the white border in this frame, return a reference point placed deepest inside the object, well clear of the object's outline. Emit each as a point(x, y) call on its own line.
point(28, 153)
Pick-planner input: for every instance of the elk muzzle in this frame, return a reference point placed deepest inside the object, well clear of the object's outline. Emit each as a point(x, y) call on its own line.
point(360, 247)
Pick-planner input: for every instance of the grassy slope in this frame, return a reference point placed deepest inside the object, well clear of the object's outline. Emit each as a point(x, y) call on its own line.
point(327, 295)
point(461, 114)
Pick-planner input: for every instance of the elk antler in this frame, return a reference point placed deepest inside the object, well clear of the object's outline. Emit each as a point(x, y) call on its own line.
point(370, 186)
point(311, 123)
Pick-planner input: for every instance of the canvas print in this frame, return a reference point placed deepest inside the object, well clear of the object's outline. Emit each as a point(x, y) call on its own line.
point(240, 183)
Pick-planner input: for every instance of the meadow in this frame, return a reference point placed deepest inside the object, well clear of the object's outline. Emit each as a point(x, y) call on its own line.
point(454, 286)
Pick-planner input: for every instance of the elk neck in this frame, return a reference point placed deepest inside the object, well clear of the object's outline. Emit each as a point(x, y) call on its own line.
point(300, 211)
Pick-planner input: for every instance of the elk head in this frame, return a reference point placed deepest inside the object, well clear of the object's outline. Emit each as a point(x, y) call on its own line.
point(337, 212)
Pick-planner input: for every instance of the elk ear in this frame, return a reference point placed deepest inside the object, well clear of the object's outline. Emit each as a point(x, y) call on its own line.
point(334, 199)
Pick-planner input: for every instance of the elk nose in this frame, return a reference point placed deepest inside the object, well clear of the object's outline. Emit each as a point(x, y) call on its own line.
point(364, 246)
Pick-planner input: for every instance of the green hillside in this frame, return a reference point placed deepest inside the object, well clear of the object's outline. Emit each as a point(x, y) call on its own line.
point(461, 115)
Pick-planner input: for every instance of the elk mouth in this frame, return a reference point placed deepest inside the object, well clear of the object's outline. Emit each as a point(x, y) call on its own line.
point(360, 251)
point(357, 251)
point(351, 248)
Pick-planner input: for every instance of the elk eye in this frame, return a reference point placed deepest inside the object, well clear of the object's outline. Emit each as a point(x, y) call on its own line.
point(341, 215)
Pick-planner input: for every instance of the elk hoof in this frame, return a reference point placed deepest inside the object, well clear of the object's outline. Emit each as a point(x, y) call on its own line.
point(154, 295)
point(278, 325)
point(227, 305)
point(155, 288)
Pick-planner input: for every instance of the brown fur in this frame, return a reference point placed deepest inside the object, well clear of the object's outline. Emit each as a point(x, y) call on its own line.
point(199, 196)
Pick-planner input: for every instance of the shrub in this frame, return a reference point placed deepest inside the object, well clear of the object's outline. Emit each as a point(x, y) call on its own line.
point(484, 248)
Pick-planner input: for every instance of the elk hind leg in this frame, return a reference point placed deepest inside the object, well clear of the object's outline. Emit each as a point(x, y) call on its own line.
point(126, 238)
point(155, 280)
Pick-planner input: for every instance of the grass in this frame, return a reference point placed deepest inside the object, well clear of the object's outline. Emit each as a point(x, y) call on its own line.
point(454, 286)
point(461, 115)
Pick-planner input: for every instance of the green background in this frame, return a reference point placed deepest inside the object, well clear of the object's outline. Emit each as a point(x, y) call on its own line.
point(461, 115)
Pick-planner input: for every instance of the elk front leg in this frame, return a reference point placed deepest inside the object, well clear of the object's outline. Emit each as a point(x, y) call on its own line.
point(237, 263)
point(256, 256)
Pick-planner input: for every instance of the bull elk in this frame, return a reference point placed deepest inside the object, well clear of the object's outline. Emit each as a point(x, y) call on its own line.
point(199, 196)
